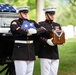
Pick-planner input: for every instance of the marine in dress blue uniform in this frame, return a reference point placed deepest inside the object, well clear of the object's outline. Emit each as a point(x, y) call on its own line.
point(24, 31)
point(48, 52)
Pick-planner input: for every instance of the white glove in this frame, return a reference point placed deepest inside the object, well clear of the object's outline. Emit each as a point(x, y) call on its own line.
point(49, 41)
point(31, 31)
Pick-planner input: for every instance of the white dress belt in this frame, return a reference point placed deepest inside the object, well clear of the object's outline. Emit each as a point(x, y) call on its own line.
point(24, 42)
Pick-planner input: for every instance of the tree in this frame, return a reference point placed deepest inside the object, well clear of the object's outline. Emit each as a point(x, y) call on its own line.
point(73, 2)
point(34, 4)
point(66, 12)
point(7, 1)
point(66, 15)
point(39, 10)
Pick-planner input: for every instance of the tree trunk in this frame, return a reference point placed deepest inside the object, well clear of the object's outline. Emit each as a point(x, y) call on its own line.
point(39, 10)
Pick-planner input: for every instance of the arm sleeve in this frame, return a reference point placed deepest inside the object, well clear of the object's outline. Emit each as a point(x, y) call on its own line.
point(40, 29)
point(43, 39)
point(14, 30)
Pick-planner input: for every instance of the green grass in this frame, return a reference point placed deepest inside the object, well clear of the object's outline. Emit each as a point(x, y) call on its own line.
point(37, 67)
point(1, 67)
point(67, 54)
point(68, 58)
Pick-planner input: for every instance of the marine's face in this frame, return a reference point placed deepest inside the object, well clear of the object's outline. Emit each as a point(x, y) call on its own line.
point(51, 16)
point(23, 15)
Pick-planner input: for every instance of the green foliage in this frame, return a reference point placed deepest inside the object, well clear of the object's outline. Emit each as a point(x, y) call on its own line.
point(1, 1)
point(73, 2)
point(20, 3)
point(15, 2)
point(66, 12)
point(32, 4)
point(32, 14)
point(66, 15)
point(45, 3)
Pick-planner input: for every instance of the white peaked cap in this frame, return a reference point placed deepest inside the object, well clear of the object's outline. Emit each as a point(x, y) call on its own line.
point(49, 9)
point(22, 8)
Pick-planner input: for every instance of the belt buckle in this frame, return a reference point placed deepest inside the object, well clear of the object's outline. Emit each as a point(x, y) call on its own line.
point(28, 42)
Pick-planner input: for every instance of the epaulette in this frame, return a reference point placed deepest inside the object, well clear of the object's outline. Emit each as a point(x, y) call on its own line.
point(55, 23)
point(13, 21)
point(16, 20)
point(31, 20)
point(41, 21)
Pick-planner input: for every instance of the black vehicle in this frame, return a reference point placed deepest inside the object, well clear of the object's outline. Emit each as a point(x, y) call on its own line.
point(6, 43)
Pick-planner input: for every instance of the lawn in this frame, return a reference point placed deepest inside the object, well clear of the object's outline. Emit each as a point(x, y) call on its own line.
point(67, 53)
point(68, 57)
